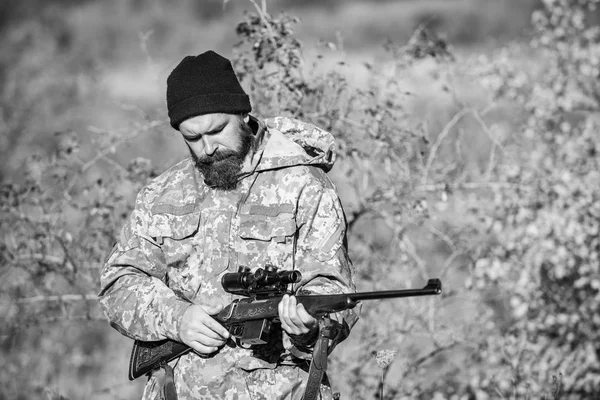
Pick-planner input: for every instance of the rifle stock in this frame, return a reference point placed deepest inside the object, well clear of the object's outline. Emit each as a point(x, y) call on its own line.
point(147, 356)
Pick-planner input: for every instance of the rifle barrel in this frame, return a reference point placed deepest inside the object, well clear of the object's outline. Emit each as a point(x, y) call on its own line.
point(433, 287)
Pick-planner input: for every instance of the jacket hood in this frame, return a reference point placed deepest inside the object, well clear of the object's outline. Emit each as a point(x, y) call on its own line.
point(284, 142)
point(290, 142)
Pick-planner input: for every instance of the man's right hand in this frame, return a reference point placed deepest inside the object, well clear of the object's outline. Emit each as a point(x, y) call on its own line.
point(200, 331)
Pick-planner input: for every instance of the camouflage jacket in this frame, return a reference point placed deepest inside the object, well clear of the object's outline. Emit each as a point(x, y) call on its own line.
point(183, 236)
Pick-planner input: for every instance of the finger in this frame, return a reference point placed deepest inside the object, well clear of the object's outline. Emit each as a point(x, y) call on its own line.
point(195, 340)
point(212, 310)
point(294, 319)
point(209, 322)
point(281, 306)
point(210, 328)
point(300, 320)
point(203, 349)
point(207, 341)
point(306, 319)
point(198, 326)
point(283, 310)
point(203, 336)
point(293, 323)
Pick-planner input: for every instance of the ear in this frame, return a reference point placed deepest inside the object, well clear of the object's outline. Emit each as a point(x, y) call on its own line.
point(246, 117)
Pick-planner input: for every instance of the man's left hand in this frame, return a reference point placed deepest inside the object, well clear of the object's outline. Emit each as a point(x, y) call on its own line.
point(295, 320)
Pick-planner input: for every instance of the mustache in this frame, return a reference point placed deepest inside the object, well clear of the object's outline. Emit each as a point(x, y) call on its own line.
point(217, 157)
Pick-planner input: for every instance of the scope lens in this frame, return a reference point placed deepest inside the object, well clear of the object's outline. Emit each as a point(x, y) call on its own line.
point(288, 277)
point(237, 281)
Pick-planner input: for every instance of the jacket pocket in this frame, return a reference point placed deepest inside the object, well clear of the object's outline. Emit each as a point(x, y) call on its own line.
point(174, 234)
point(267, 239)
point(176, 227)
point(176, 237)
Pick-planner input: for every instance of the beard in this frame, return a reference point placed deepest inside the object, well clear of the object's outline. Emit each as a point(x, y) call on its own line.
point(221, 170)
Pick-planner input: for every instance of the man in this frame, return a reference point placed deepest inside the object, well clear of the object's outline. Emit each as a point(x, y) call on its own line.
point(252, 193)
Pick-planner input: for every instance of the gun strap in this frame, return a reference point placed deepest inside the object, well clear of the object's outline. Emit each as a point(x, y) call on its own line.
point(318, 365)
point(166, 382)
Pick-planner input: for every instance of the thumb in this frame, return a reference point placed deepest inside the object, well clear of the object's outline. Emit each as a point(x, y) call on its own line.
point(214, 309)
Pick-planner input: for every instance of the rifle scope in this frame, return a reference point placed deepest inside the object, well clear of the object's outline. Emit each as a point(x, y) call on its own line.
point(246, 281)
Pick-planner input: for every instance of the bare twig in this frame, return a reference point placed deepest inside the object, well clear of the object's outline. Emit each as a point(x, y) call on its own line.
point(69, 318)
point(262, 12)
point(357, 124)
point(105, 152)
point(68, 257)
point(432, 320)
point(449, 261)
point(495, 143)
point(470, 186)
point(46, 258)
point(489, 108)
point(112, 162)
point(412, 251)
point(438, 142)
point(442, 236)
point(132, 107)
point(457, 117)
point(144, 38)
point(414, 365)
point(58, 298)
point(113, 390)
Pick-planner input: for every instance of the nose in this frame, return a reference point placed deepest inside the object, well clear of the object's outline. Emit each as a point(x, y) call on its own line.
point(209, 146)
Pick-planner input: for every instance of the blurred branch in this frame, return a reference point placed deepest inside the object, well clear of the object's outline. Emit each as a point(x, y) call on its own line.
point(47, 258)
point(433, 353)
point(449, 261)
point(412, 251)
point(103, 154)
point(432, 309)
point(495, 142)
point(110, 149)
point(470, 186)
point(262, 12)
point(356, 124)
point(438, 142)
point(144, 37)
point(68, 257)
point(132, 107)
point(445, 238)
point(457, 117)
point(58, 298)
point(112, 162)
point(113, 390)
point(70, 318)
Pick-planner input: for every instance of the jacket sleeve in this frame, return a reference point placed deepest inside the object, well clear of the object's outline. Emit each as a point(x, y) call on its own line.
point(321, 252)
point(133, 294)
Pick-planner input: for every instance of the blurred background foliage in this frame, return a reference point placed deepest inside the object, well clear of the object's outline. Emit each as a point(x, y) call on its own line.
point(467, 134)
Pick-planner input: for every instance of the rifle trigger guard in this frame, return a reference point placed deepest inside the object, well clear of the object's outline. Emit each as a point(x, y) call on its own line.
point(233, 304)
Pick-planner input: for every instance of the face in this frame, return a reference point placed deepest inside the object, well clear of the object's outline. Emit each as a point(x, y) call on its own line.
point(219, 144)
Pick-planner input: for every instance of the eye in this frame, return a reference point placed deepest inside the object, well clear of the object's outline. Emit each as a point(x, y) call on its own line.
point(215, 131)
point(193, 138)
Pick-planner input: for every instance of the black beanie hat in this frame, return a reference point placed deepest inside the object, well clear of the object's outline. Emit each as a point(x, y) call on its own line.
point(204, 84)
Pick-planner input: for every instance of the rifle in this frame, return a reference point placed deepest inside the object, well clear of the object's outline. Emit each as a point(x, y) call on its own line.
point(249, 319)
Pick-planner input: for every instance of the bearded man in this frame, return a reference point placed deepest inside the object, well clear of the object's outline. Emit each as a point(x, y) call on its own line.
point(253, 193)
